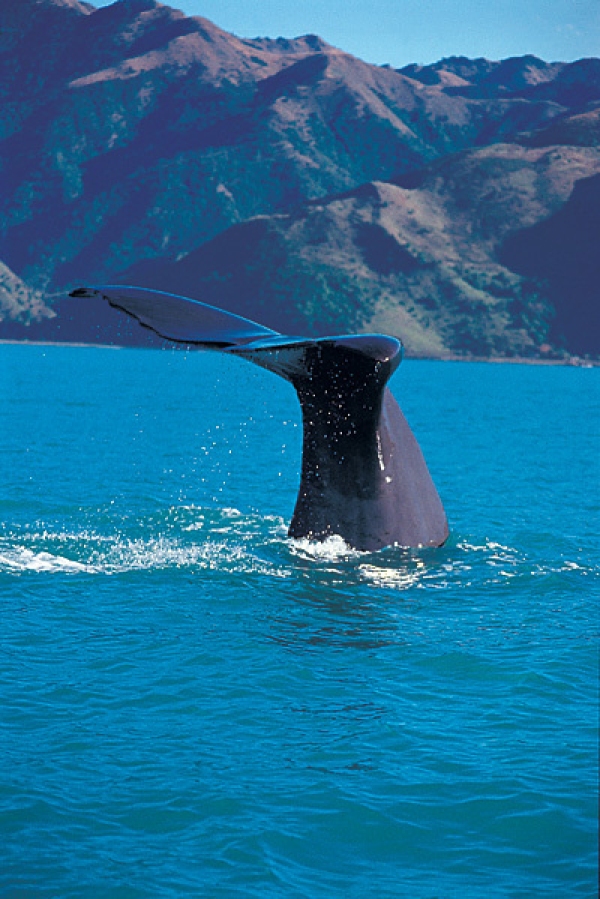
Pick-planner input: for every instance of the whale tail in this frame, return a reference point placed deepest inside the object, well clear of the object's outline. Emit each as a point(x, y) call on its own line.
point(363, 476)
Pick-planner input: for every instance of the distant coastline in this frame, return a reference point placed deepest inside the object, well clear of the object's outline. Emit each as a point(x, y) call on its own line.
point(80, 344)
point(570, 361)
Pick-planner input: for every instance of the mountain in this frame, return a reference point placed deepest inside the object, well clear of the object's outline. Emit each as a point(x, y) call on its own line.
point(562, 251)
point(437, 265)
point(287, 179)
point(18, 302)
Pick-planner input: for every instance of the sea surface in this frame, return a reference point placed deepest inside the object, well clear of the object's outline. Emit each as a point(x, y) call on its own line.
point(194, 705)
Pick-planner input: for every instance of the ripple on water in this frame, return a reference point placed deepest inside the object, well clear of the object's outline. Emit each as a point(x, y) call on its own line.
point(197, 539)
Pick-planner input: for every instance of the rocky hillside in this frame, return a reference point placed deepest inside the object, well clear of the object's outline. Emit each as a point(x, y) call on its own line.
point(470, 283)
point(450, 204)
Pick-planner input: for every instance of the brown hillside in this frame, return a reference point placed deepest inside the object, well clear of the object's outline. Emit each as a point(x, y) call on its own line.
point(134, 134)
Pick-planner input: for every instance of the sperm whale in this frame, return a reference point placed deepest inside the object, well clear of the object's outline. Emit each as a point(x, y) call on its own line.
point(363, 474)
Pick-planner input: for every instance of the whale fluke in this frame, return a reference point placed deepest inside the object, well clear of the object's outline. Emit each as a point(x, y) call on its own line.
point(179, 318)
point(363, 475)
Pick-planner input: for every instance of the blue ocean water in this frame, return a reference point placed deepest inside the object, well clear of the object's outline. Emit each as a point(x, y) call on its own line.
point(194, 705)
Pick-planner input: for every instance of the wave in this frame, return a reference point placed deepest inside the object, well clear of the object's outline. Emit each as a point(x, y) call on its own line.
point(20, 558)
point(196, 539)
point(180, 538)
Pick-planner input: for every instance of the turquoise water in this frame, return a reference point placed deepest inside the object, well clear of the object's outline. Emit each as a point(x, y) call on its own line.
point(194, 705)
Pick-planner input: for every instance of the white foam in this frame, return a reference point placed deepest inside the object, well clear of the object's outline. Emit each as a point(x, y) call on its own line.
point(22, 559)
point(398, 578)
point(332, 549)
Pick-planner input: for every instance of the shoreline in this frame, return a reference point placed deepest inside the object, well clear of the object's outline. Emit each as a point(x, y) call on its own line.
point(82, 344)
point(569, 361)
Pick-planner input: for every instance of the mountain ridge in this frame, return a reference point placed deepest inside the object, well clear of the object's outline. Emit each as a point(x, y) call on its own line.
point(168, 131)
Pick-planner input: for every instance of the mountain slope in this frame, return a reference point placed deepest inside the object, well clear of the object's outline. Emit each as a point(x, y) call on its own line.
point(134, 134)
point(562, 252)
point(427, 264)
point(18, 302)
